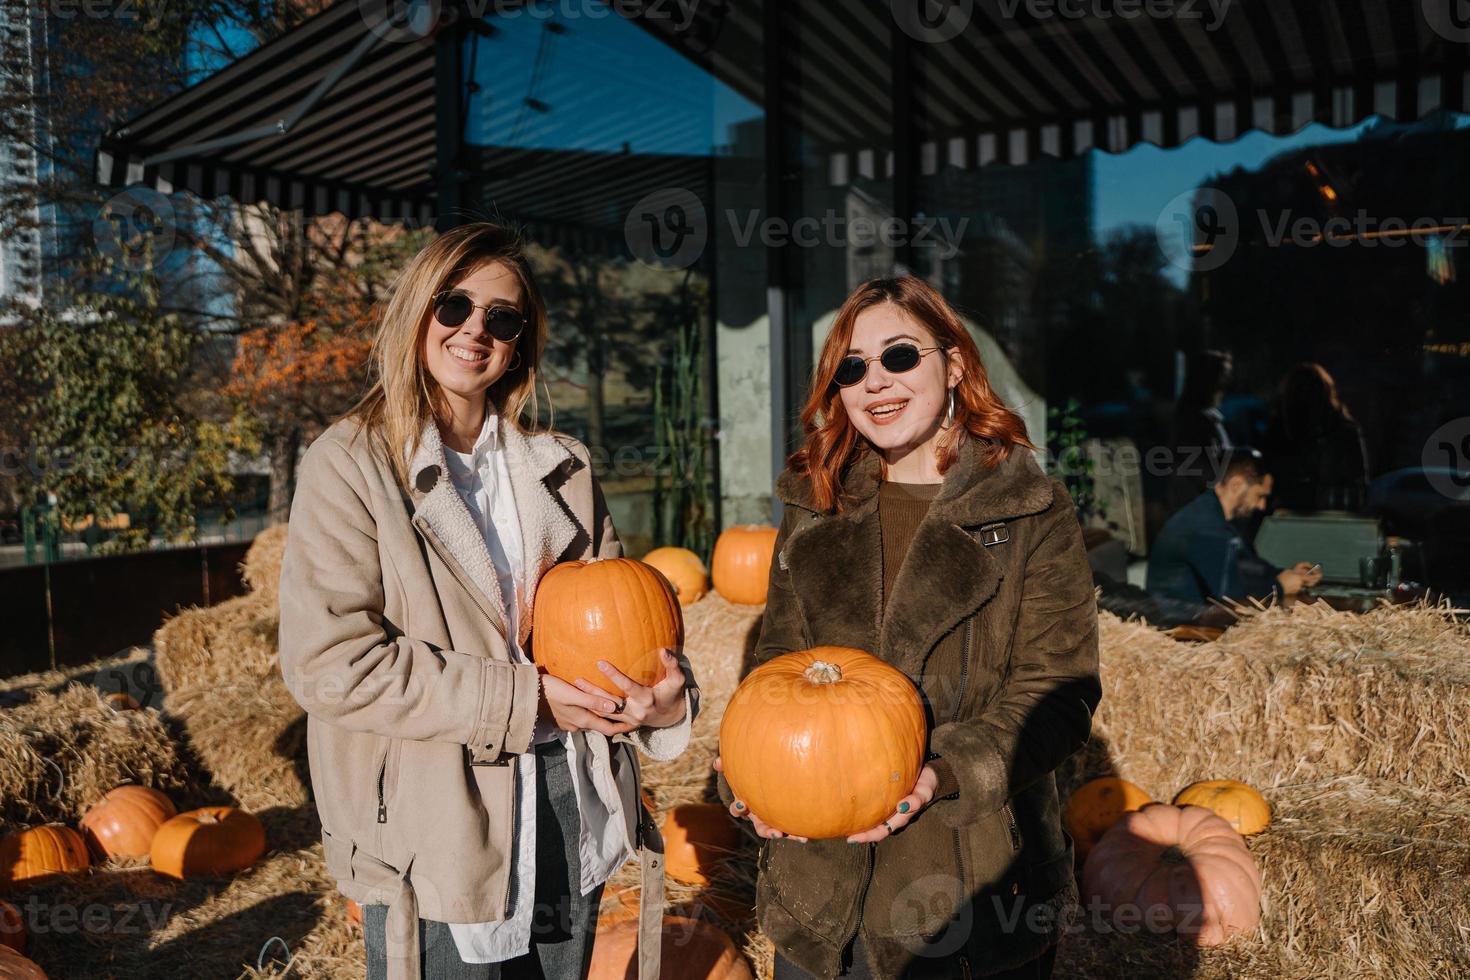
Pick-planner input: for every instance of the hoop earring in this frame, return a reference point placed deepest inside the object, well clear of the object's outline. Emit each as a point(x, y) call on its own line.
point(949, 414)
point(517, 362)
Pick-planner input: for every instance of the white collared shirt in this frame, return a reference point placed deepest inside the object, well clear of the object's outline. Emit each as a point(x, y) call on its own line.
point(482, 478)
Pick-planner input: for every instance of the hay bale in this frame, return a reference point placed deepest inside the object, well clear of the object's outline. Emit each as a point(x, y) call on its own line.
point(62, 750)
point(261, 568)
point(1286, 696)
point(218, 666)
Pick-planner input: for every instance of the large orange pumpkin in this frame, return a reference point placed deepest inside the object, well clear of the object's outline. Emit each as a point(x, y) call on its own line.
point(697, 837)
point(42, 852)
point(614, 609)
point(123, 822)
point(685, 572)
point(742, 563)
point(14, 966)
point(823, 742)
point(12, 928)
point(1180, 868)
point(1236, 803)
point(1096, 806)
point(690, 950)
point(212, 840)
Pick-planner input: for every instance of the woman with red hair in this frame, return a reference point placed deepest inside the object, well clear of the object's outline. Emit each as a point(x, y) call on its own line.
point(919, 526)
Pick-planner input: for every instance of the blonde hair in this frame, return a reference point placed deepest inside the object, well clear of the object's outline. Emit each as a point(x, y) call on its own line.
point(404, 395)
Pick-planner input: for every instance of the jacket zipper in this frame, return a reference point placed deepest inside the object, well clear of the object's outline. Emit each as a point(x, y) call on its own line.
point(462, 578)
point(862, 894)
point(959, 849)
point(1015, 830)
point(382, 799)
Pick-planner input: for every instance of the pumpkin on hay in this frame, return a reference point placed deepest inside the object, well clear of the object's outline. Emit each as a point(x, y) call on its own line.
point(354, 912)
point(824, 742)
point(120, 701)
point(123, 822)
point(12, 928)
point(1237, 804)
point(685, 572)
point(38, 853)
point(614, 609)
point(697, 837)
point(690, 948)
point(211, 840)
point(1096, 806)
point(741, 564)
point(1179, 868)
point(14, 966)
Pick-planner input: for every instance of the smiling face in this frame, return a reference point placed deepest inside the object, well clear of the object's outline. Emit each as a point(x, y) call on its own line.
point(898, 413)
point(466, 360)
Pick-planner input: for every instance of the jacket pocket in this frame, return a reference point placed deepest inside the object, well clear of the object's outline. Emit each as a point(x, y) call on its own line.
point(387, 775)
point(815, 883)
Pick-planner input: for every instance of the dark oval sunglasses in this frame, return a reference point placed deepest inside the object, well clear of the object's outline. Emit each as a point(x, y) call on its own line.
point(504, 323)
point(896, 360)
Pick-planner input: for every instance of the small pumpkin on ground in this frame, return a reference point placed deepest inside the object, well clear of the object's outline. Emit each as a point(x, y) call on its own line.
point(14, 966)
point(120, 701)
point(685, 572)
point(697, 837)
point(354, 912)
point(13, 928)
point(211, 840)
point(741, 564)
point(614, 609)
point(691, 950)
point(1096, 806)
point(1236, 803)
point(1176, 868)
point(39, 853)
point(123, 823)
point(824, 742)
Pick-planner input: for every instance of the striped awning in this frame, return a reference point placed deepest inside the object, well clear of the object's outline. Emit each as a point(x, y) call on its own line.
point(335, 116)
point(339, 114)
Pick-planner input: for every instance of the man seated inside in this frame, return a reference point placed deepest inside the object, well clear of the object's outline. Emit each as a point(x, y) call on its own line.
point(1199, 555)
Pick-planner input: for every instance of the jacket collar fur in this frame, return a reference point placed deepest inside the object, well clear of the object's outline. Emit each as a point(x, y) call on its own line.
point(836, 561)
point(539, 463)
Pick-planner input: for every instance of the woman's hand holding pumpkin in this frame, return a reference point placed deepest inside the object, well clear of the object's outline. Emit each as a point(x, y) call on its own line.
point(908, 809)
point(573, 709)
point(658, 706)
point(738, 809)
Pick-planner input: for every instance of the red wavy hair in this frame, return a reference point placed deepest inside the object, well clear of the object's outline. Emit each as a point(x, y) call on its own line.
point(833, 443)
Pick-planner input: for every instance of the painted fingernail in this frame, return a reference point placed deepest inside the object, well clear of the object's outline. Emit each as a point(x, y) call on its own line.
point(903, 807)
point(739, 805)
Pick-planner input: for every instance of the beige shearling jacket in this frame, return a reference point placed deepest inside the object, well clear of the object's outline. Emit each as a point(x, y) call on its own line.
point(392, 637)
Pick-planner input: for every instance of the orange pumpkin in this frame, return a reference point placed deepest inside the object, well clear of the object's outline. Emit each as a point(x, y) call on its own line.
point(354, 912)
point(742, 562)
point(823, 742)
point(1180, 868)
point(697, 837)
point(119, 701)
point(685, 572)
point(123, 822)
point(14, 966)
point(614, 609)
point(39, 853)
point(12, 928)
point(1095, 807)
point(1236, 803)
point(690, 950)
point(212, 840)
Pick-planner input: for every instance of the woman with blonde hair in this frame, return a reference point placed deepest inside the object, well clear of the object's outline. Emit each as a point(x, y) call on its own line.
point(473, 804)
point(918, 526)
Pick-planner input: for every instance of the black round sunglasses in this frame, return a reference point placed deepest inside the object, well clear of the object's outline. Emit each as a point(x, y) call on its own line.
point(895, 360)
point(504, 323)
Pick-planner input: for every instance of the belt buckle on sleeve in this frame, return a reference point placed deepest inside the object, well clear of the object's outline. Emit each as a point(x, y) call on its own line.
point(995, 533)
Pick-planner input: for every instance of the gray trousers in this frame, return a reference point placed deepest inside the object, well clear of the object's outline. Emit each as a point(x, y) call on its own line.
point(563, 920)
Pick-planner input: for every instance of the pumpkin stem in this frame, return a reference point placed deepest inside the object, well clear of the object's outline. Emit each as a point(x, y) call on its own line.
point(822, 672)
point(1172, 855)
